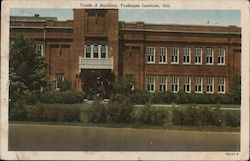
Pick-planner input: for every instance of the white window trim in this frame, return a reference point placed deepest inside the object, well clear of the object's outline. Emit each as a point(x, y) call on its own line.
point(184, 83)
point(42, 49)
point(212, 57)
point(224, 56)
point(178, 81)
point(166, 85)
point(57, 88)
point(92, 51)
point(212, 85)
point(166, 55)
point(200, 56)
point(223, 85)
point(200, 85)
point(150, 62)
point(189, 55)
point(178, 55)
point(150, 84)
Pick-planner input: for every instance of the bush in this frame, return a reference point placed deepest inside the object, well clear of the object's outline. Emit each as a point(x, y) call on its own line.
point(119, 109)
point(96, 113)
point(197, 116)
point(64, 97)
point(149, 115)
point(231, 118)
point(17, 112)
point(45, 112)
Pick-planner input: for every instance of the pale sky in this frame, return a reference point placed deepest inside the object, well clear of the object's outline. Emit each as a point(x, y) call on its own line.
point(157, 16)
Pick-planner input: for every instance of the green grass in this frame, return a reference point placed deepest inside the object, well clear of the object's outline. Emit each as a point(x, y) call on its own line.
point(121, 125)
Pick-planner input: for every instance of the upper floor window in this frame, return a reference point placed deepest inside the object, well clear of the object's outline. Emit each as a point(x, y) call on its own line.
point(88, 51)
point(209, 56)
point(175, 84)
point(103, 51)
point(163, 55)
point(59, 81)
point(96, 51)
point(187, 84)
point(150, 83)
point(210, 85)
point(221, 56)
point(174, 55)
point(186, 55)
point(150, 54)
point(163, 83)
point(221, 85)
point(198, 85)
point(197, 56)
point(39, 49)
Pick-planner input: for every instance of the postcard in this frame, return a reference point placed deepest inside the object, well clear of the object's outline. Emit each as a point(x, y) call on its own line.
point(125, 80)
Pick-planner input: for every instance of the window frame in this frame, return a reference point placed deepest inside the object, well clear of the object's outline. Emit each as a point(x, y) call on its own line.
point(150, 84)
point(219, 56)
point(40, 49)
point(164, 54)
point(188, 56)
point(198, 84)
point(175, 84)
point(162, 83)
point(209, 56)
point(175, 54)
point(221, 85)
point(196, 55)
point(210, 85)
point(150, 55)
point(57, 86)
point(187, 84)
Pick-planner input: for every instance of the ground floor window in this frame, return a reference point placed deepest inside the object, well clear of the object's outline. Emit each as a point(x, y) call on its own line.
point(150, 83)
point(221, 85)
point(198, 85)
point(59, 81)
point(163, 83)
point(131, 79)
point(187, 84)
point(210, 85)
point(175, 84)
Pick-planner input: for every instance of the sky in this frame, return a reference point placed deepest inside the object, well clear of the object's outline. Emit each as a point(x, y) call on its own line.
point(156, 16)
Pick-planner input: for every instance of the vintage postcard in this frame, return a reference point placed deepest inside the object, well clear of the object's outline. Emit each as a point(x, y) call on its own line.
point(125, 80)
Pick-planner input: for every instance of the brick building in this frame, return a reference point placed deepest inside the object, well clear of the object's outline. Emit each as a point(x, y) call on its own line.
point(189, 58)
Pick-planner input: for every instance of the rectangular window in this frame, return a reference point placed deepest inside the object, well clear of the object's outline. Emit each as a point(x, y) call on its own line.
point(150, 54)
point(221, 85)
point(187, 84)
point(175, 84)
point(163, 55)
point(221, 56)
point(210, 85)
point(95, 51)
point(163, 83)
point(175, 55)
point(209, 56)
point(150, 83)
point(87, 51)
point(198, 85)
point(197, 56)
point(103, 51)
point(59, 81)
point(131, 80)
point(39, 49)
point(186, 55)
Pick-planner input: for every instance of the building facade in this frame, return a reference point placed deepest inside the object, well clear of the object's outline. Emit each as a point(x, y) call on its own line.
point(188, 58)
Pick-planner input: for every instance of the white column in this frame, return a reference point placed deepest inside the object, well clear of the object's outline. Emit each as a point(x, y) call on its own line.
point(92, 51)
point(99, 51)
point(106, 52)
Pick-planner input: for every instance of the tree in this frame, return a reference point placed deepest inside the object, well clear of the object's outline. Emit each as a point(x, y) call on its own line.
point(236, 90)
point(27, 70)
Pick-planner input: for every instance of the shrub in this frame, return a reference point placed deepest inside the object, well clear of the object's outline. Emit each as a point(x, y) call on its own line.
point(149, 115)
point(53, 112)
point(66, 97)
point(17, 112)
point(231, 118)
point(119, 109)
point(95, 113)
point(66, 85)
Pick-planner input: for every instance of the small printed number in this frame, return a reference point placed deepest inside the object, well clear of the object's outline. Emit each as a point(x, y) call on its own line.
point(231, 153)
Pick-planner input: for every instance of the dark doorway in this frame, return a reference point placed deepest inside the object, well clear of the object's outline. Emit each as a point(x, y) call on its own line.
point(97, 82)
